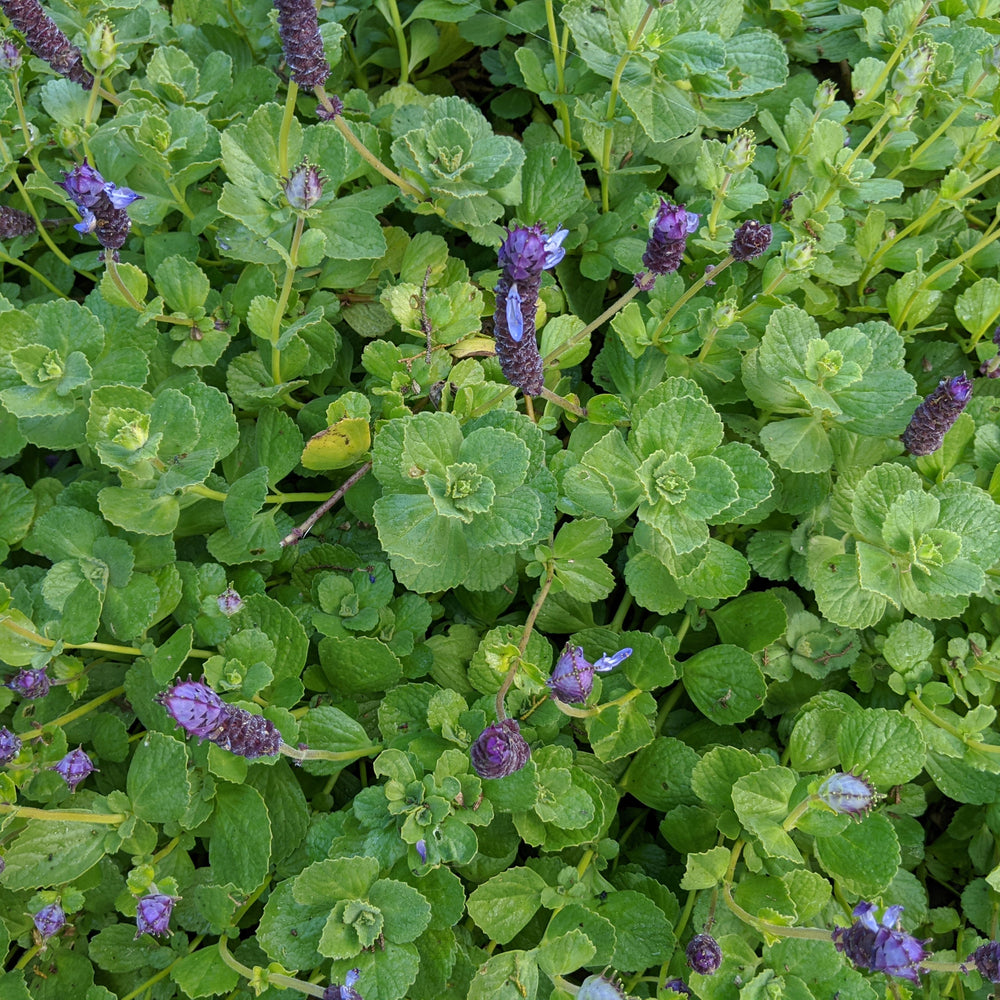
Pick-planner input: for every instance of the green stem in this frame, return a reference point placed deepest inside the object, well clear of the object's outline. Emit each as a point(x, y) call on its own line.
point(147, 986)
point(696, 286)
point(77, 712)
point(720, 197)
point(623, 609)
point(181, 200)
point(95, 90)
point(112, 267)
point(277, 498)
point(562, 402)
point(6, 259)
point(274, 978)
point(298, 533)
point(798, 812)
point(616, 80)
point(286, 291)
point(949, 728)
point(61, 815)
point(559, 57)
point(305, 753)
point(397, 30)
point(284, 168)
point(553, 356)
point(19, 102)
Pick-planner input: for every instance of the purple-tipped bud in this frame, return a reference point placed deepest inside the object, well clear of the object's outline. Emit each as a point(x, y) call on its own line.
point(10, 745)
point(74, 767)
point(84, 185)
point(704, 955)
point(879, 945)
point(668, 233)
point(335, 110)
point(304, 188)
point(847, 793)
point(49, 920)
point(30, 684)
point(346, 992)
point(750, 240)
point(987, 959)
point(678, 986)
point(10, 55)
point(572, 679)
point(934, 417)
point(43, 37)
point(14, 222)
point(298, 26)
point(152, 914)
point(500, 750)
point(229, 602)
point(194, 706)
point(600, 988)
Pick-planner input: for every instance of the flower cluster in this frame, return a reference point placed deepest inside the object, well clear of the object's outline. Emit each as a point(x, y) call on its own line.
point(934, 417)
point(346, 992)
point(196, 708)
point(847, 793)
point(668, 233)
point(49, 920)
point(10, 745)
point(600, 988)
point(30, 684)
point(879, 945)
point(14, 222)
point(987, 961)
point(102, 206)
point(704, 955)
point(152, 914)
point(74, 767)
point(304, 187)
point(43, 37)
point(572, 679)
point(750, 240)
point(298, 26)
point(524, 255)
point(500, 750)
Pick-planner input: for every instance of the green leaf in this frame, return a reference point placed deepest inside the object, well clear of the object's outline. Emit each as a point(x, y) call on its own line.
point(239, 850)
point(53, 853)
point(761, 802)
point(505, 904)
point(183, 285)
point(327, 728)
point(157, 780)
point(863, 858)
point(799, 444)
point(644, 936)
point(725, 683)
point(133, 278)
point(201, 974)
point(660, 774)
point(707, 869)
point(978, 307)
point(360, 664)
point(405, 910)
point(511, 975)
point(882, 744)
point(752, 621)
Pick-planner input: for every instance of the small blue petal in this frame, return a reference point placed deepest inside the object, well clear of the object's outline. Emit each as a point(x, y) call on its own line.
point(352, 977)
point(120, 197)
point(515, 322)
point(554, 251)
point(606, 662)
point(693, 218)
point(88, 223)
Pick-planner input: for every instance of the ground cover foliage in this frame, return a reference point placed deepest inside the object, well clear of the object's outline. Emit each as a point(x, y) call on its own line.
point(247, 272)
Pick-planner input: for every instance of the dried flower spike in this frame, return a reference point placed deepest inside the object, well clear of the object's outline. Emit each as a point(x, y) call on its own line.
point(572, 678)
point(43, 37)
point(74, 767)
point(987, 960)
point(10, 745)
point(750, 240)
point(30, 684)
point(346, 992)
point(500, 750)
point(298, 26)
point(847, 793)
point(704, 955)
point(879, 945)
point(49, 920)
point(524, 255)
point(152, 914)
point(14, 222)
point(934, 417)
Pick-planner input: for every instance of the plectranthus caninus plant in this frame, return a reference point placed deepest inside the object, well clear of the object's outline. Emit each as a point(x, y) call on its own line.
point(936, 415)
point(878, 943)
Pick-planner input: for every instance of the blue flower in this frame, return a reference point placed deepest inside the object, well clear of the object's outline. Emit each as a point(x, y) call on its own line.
point(572, 678)
point(879, 945)
point(847, 793)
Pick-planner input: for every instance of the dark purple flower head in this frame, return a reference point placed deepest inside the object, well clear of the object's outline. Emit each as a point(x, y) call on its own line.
point(704, 955)
point(847, 793)
point(500, 750)
point(84, 185)
point(572, 679)
point(101, 204)
point(305, 186)
point(10, 745)
point(10, 55)
point(934, 417)
point(600, 988)
point(668, 233)
point(49, 920)
point(246, 734)
point(14, 222)
point(678, 986)
point(750, 240)
point(30, 684)
point(194, 706)
point(529, 250)
point(879, 945)
point(229, 602)
point(74, 767)
point(298, 26)
point(346, 992)
point(152, 914)
point(43, 37)
point(987, 959)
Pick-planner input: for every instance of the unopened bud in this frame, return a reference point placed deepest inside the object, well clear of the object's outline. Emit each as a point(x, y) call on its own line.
point(101, 45)
point(826, 94)
point(800, 256)
point(912, 72)
point(305, 186)
point(10, 55)
point(739, 152)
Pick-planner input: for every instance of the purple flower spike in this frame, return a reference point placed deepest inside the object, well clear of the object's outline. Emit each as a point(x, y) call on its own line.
point(10, 745)
point(987, 959)
point(43, 37)
point(500, 750)
point(346, 992)
point(750, 240)
point(668, 233)
point(934, 417)
point(49, 920)
point(704, 955)
point(572, 679)
point(152, 914)
point(84, 185)
point(30, 684)
point(74, 767)
point(14, 222)
point(101, 204)
point(678, 986)
point(847, 793)
point(600, 988)
point(298, 26)
point(194, 706)
point(879, 945)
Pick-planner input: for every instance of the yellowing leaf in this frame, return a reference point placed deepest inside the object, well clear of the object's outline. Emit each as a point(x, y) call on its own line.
point(338, 446)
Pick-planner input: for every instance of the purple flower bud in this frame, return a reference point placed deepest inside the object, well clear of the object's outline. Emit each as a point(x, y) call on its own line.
point(152, 914)
point(934, 417)
point(847, 793)
point(668, 233)
point(10, 746)
point(500, 750)
point(572, 679)
point(678, 986)
point(298, 26)
point(600, 988)
point(102, 206)
point(43, 37)
point(346, 992)
point(421, 849)
point(10, 56)
point(30, 684)
point(704, 955)
point(49, 920)
point(750, 240)
point(74, 767)
point(194, 706)
point(879, 945)
point(305, 186)
point(987, 959)
point(14, 222)
point(229, 602)
point(84, 185)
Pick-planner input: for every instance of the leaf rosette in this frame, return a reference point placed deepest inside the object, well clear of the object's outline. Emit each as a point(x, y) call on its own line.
point(459, 501)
